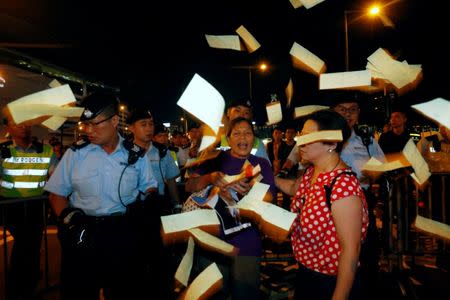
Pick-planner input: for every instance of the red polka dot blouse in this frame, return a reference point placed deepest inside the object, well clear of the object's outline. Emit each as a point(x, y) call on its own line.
point(314, 237)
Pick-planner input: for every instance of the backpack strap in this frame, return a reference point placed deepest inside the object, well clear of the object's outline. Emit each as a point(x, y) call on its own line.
point(329, 188)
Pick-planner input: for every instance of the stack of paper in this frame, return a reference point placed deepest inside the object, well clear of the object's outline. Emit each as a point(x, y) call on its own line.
point(401, 75)
point(175, 227)
point(306, 60)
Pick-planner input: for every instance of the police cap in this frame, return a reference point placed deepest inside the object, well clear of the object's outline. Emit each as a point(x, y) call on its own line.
point(239, 102)
point(96, 103)
point(160, 128)
point(138, 114)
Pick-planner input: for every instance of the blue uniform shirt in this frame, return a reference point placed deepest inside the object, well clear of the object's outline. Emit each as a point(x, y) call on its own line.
point(355, 155)
point(167, 169)
point(91, 177)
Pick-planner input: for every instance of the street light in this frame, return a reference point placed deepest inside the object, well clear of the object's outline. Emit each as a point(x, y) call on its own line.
point(262, 67)
point(372, 11)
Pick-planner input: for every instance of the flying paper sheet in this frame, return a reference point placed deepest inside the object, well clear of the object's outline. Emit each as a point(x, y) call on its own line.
point(306, 60)
point(274, 113)
point(274, 221)
point(387, 22)
point(54, 83)
point(175, 227)
point(250, 42)
point(296, 3)
point(206, 284)
point(310, 3)
point(420, 166)
point(430, 226)
point(207, 141)
point(22, 111)
point(289, 92)
point(55, 122)
point(323, 135)
point(345, 80)
point(399, 74)
point(374, 164)
point(185, 266)
point(210, 242)
point(302, 111)
point(203, 101)
point(437, 109)
point(224, 41)
point(256, 194)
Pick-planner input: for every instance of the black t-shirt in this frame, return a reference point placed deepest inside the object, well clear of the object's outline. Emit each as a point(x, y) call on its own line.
point(392, 143)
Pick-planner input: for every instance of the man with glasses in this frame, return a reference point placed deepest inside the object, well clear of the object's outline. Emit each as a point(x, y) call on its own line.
point(94, 191)
point(359, 148)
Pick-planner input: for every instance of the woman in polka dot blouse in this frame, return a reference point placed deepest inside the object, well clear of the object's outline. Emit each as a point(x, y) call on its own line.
point(326, 237)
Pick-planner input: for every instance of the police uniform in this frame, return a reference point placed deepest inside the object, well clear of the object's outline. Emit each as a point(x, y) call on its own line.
point(23, 174)
point(106, 252)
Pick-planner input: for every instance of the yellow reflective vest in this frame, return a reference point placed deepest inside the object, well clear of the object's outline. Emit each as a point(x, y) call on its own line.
point(24, 174)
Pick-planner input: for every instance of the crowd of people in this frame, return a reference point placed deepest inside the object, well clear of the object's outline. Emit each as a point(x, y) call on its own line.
point(109, 191)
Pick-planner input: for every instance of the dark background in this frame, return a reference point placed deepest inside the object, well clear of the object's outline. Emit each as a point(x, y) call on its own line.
point(151, 49)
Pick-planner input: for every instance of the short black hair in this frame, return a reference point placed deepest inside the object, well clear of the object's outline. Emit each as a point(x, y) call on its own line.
point(328, 119)
point(238, 120)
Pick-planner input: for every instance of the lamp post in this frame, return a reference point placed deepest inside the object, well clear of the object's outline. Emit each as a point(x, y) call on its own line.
point(262, 67)
point(372, 11)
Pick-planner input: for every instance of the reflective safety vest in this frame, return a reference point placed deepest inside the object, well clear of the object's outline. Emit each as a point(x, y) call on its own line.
point(174, 156)
point(224, 144)
point(25, 174)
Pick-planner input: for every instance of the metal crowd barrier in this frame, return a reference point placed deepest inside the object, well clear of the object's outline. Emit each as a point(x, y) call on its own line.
point(4, 204)
point(406, 200)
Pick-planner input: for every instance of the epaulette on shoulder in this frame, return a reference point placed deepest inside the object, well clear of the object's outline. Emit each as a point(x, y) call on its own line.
point(79, 144)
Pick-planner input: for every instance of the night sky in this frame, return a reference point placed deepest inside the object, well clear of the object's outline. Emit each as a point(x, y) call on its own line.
point(151, 53)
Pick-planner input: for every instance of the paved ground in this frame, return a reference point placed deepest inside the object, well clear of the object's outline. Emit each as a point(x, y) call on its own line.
point(410, 277)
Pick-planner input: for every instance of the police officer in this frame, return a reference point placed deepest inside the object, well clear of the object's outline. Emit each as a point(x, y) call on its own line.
point(92, 191)
point(163, 166)
point(25, 167)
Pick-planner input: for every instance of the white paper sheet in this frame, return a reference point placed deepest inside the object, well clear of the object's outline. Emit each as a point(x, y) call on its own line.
point(184, 268)
point(302, 111)
point(203, 101)
point(250, 42)
point(274, 113)
point(306, 57)
point(289, 92)
point(323, 135)
point(345, 79)
point(437, 109)
point(224, 41)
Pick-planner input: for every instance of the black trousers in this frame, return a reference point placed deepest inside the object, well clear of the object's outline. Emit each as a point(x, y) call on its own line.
point(311, 285)
point(25, 222)
point(111, 259)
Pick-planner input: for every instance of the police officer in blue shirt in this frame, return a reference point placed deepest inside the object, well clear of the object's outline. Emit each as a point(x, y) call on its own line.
point(358, 149)
point(92, 191)
point(141, 124)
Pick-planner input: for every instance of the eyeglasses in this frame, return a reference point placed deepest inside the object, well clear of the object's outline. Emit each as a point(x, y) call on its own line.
point(344, 110)
point(94, 124)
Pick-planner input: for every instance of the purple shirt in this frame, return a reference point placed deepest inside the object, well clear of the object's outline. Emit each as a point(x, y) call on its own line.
point(247, 240)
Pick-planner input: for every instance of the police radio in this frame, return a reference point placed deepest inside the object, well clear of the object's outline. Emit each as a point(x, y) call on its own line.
point(134, 151)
